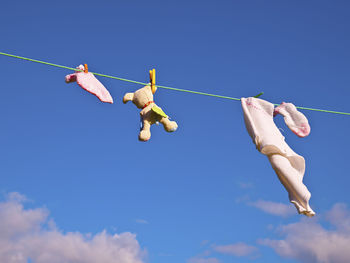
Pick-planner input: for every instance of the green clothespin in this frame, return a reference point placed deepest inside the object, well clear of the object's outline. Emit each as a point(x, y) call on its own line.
point(257, 96)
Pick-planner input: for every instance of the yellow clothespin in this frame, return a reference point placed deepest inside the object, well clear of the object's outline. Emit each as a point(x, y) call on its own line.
point(152, 80)
point(86, 68)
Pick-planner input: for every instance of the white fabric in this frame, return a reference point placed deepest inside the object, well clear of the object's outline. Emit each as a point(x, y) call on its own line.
point(289, 166)
point(295, 120)
point(81, 67)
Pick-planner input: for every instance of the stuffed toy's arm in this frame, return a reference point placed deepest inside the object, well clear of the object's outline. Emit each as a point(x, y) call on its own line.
point(128, 97)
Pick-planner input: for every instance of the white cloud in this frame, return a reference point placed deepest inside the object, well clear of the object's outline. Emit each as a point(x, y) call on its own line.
point(245, 185)
point(273, 208)
point(309, 241)
point(203, 260)
point(238, 249)
point(27, 233)
point(141, 221)
point(242, 199)
point(204, 242)
point(15, 196)
point(339, 216)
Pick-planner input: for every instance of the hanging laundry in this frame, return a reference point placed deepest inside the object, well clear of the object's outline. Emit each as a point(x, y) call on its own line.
point(295, 120)
point(88, 82)
point(289, 166)
point(150, 113)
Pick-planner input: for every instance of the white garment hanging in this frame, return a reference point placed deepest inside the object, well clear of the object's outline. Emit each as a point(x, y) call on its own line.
point(295, 120)
point(289, 166)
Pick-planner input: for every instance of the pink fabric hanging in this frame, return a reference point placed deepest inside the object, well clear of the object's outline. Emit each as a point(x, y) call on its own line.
point(89, 83)
point(289, 166)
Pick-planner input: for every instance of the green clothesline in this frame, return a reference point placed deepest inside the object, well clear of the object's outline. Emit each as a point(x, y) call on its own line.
point(163, 87)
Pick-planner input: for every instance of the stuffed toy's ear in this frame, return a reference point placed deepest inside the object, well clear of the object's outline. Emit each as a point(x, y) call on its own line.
point(128, 97)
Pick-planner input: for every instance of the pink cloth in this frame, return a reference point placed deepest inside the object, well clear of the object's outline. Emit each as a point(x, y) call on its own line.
point(89, 83)
point(289, 166)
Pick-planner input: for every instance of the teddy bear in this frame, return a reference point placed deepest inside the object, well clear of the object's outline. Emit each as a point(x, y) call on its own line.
point(150, 113)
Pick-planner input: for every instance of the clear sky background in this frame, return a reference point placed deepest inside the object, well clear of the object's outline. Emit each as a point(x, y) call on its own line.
point(203, 194)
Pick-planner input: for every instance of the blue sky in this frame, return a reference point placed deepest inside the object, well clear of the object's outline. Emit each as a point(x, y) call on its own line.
point(188, 196)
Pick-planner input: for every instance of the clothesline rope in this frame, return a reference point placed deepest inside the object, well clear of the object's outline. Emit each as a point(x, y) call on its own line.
point(159, 86)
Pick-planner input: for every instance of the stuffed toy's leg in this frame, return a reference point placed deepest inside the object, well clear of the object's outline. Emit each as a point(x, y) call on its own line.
point(145, 133)
point(291, 179)
point(169, 126)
